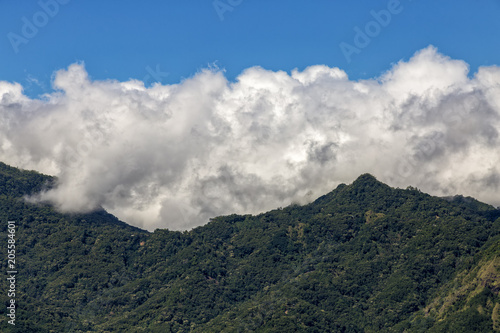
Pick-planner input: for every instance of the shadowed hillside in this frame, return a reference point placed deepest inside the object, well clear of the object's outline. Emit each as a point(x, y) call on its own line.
point(363, 258)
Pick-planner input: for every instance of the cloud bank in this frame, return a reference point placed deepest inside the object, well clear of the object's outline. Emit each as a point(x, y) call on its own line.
point(172, 156)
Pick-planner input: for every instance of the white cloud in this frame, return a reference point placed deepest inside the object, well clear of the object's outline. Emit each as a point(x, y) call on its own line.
point(172, 156)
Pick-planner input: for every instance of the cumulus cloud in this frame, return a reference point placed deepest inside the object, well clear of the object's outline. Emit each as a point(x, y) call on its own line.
point(172, 156)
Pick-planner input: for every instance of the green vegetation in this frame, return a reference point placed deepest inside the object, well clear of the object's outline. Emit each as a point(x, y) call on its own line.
point(363, 258)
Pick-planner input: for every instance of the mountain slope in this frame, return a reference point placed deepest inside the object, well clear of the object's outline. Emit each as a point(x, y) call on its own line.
point(61, 261)
point(469, 300)
point(363, 258)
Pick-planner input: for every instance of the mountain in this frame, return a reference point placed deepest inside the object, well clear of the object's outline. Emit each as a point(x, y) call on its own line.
point(363, 258)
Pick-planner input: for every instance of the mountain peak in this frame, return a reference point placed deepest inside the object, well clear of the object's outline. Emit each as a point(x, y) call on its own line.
point(366, 181)
point(366, 177)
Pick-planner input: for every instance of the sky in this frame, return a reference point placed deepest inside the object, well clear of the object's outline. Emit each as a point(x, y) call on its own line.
point(170, 113)
point(129, 39)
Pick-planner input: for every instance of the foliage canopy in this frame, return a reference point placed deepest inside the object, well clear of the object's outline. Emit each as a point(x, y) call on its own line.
point(363, 258)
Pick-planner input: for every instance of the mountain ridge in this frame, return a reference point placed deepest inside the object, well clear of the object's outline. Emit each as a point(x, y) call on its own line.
point(364, 257)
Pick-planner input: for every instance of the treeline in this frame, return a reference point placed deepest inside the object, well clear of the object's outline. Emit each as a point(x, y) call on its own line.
point(363, 258)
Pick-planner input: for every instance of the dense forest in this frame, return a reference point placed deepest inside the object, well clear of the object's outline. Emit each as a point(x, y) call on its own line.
point(363, 258)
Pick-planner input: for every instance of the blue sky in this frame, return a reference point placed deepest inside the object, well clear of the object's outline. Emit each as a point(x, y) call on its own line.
point(145, 40)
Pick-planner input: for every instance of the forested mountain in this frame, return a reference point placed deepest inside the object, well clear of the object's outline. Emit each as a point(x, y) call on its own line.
point(363, 258)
